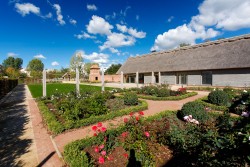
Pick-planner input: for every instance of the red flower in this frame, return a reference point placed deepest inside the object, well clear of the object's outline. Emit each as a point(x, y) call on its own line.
point(95, 134)
point(125, 120)
point(101, 146)
point(131, 114)
point(109, 158)
point(99, 124)
point(124, 134)
point(125, 155)
point(105, 139)
point(96, 149)
point(99, 130)
point(147, 134)
point(94, 128)
point(137, 118)
point(141, 113)
point(103, 153)
point(104, 129)
point(101, 160)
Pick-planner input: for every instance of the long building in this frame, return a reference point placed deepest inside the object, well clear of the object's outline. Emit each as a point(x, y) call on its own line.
point(224, 62)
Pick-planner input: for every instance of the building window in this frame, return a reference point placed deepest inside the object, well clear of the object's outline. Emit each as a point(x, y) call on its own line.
point(96, 78)
point(206, 77)
point(181, 79)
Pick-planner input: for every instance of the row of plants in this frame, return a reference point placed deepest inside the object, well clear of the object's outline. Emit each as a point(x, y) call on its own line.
point(67, 111)
point(6, 85)
point(228, 99)
point(217, 140)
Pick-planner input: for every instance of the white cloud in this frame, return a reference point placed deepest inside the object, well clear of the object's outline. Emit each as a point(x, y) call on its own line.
point(137, 17)
point(59, 14)
point(92, 7)
point(39, 56)
point(55, 63)
point(97, 25)
point(72, 21)
point(214, 17)
point(96, 57)
point(27, 8)
point(131, 31)
point(117, 40)
point(113, 50)
point(170, 18)
point(49, 15)
point(11, 54)
point(124, 13)
point(84, 35)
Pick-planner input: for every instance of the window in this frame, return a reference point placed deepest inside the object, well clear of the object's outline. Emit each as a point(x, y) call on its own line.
point(206, 77)
point(181, 79)
point(96, 78)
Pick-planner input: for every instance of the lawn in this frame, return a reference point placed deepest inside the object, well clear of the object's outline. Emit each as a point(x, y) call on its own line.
point(37, 89)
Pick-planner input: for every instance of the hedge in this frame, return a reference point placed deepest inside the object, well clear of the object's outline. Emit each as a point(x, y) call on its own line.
point(189, 94)
point(201, 88)
point(6, 85)
point(212, 106)
point(57, 127)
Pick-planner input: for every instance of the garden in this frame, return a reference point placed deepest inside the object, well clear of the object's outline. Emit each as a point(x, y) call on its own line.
point(64, 109)
point(161, 92)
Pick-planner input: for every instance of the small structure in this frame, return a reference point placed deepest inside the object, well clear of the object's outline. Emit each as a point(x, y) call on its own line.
point(94, 73)
point(66, 76)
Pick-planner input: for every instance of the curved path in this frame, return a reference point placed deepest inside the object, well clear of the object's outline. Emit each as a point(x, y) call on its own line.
point(154, 107)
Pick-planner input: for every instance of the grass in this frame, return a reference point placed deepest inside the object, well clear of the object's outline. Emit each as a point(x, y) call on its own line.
point(37, 89)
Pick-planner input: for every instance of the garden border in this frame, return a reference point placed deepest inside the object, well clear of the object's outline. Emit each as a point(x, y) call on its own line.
point(169, 98)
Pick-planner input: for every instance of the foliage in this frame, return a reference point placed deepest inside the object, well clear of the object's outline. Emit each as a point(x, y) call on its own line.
point(12, 73)
point(35, 65)
point(87, 67)
point(7, 85)
point(205, 103)
point(195, 109)
point(218, 97)
point(200, 88)
point(130, 98)
point(113, 69)
point(15, 63)
point(115, 104)
point(180, 97)
point(76, 61)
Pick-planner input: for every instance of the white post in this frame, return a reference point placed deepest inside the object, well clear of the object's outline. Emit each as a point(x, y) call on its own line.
point(77, 81)
point(159, 78)
point(102, 79)
point(122, 80)
point(153, 78)
point(137, 79)
point(44, 83)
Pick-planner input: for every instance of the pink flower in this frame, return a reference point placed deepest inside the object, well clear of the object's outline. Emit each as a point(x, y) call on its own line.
point(147, 134)
point(125, 120)
point(94, 128)
point(124, 134)
point(137, 118)
point(101, 146)
point(125, 155)
point(104, 129)
point(109, 158)
point(101, 160)
point(131, 114)
point(103, 153)
point(105, 139)
point(99, 124)
point(95, 134)
point(141, 113)
point(96, 149)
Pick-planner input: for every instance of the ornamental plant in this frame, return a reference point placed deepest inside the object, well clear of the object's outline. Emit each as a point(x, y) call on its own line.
point(218, 97)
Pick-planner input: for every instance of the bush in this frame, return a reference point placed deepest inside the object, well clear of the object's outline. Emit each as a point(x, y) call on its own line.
point(195, 109)
point(218, 97)
point(130, 99)
point(6, 85)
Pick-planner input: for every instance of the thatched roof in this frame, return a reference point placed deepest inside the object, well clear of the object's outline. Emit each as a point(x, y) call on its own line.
point(221, 54)
point(95, 66)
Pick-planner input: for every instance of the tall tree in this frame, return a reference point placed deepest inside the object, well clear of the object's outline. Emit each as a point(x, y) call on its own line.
point(15, 63)
point(113, 69)
point(35, 65)
point(76, 61)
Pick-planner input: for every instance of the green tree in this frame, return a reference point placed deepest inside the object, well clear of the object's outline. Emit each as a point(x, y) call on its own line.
point(76, 61)
point(113, 69)
point(15, 63)
point(87, 67)
point(35, 65)
point(184, 44)
point(12, 73)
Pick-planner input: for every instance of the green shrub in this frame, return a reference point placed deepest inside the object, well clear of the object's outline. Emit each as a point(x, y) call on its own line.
point(162, 92)
point(218, 97)
point(179, 97)
point(196, 110)
point(130, 99)
point(115, 104)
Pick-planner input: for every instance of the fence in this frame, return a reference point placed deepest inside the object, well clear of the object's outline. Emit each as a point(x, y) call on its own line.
point(7, 85)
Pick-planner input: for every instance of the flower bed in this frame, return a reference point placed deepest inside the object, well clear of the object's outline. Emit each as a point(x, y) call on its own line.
point(163, 140)
point(62, 113)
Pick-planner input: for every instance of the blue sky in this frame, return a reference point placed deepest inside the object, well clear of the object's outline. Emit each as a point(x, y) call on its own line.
point(110, 31)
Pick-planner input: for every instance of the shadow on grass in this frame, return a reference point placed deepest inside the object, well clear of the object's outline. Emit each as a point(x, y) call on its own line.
point(13, 119)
